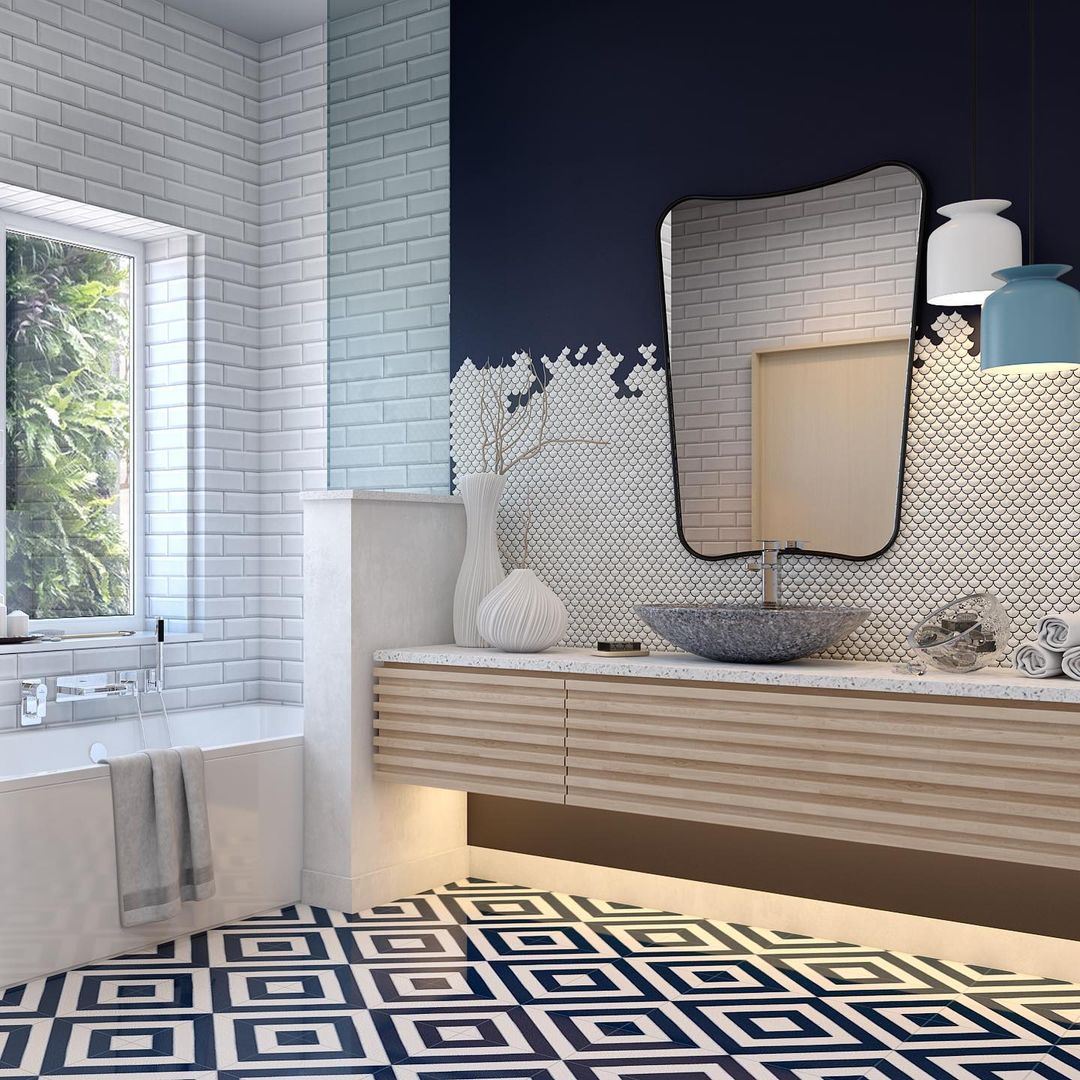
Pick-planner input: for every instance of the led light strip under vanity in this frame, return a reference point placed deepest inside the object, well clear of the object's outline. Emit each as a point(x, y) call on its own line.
point(983, 765)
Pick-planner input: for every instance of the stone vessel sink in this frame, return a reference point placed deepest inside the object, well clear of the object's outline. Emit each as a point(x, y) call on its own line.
point(751, 634)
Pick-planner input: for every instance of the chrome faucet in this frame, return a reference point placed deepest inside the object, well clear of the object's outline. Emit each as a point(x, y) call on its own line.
point(768, 565)
point(35, 697)
point(34, 693)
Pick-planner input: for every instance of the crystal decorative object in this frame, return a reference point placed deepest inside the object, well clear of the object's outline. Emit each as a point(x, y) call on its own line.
point(914, 666)
point(965, 635)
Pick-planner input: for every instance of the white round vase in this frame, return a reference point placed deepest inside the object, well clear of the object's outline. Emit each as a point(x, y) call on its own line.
point(522, 615)
point(481, 568)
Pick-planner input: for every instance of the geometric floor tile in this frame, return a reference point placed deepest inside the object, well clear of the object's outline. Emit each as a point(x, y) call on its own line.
point(118, 993)
point(22, 1046)
point(476, 1036)
point(403, 945)
point(284, 990)
point(717, 978)
point(298, 1043)
point(449, 985)
point(484, 981)
point(846, 973)
point(565, 941)
point(548, 982)
point(130, 1045)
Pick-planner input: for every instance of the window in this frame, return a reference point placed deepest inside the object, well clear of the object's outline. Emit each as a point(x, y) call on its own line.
point(72, 374)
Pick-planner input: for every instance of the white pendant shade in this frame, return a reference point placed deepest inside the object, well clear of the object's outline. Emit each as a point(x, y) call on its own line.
point(962, 254)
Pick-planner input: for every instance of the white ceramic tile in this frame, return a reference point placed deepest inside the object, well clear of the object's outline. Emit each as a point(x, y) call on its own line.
point(988, 500)
point(155, 114)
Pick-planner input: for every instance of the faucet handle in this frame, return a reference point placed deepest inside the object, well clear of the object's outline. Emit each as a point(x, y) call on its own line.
point(35, 696)
point(780, 545)
point(753, 566)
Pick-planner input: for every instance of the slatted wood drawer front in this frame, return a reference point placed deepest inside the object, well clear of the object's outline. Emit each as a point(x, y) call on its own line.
point(963, 777)
point(484, 731)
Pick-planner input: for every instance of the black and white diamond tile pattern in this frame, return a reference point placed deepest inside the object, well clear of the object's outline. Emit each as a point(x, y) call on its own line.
point(991, 498)
point(485, 981)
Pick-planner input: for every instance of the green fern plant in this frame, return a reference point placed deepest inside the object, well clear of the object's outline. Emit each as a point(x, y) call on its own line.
point(68, 430)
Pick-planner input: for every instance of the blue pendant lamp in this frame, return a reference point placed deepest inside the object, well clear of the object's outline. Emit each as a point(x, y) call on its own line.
point(1032, 324)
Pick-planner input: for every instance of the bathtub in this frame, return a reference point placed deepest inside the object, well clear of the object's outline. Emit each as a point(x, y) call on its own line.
point(58, 905)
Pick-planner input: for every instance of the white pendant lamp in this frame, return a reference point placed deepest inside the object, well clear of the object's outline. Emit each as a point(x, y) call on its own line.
point(962, 254)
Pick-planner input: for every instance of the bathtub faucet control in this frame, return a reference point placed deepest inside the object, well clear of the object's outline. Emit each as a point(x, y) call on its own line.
point(35, 696)
point(155, 676)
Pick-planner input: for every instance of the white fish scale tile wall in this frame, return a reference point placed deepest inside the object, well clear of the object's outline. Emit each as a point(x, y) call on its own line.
point(991, 500)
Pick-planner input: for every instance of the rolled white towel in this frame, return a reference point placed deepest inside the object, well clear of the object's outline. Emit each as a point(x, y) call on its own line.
point(1036, 662)
point(1070, 663)
point(1060, 631)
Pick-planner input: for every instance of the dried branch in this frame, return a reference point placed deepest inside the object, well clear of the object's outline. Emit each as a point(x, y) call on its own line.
point(504, 428)
point(540, 447)
point(485, 442)
point(525, 411)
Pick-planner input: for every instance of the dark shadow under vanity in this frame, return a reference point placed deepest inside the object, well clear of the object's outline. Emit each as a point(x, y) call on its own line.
point(1033, 899)
point(953, 797)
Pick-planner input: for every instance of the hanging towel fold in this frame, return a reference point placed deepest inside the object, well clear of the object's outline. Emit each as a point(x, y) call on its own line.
point(1035, 661)
point(1070, 663)
point(163, 853)
point(1060, 631)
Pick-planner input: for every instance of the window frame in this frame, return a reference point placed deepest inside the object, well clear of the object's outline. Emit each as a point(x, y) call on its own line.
point(133, 249)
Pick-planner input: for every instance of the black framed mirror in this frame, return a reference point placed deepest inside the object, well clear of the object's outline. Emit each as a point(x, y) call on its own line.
point(790, 323)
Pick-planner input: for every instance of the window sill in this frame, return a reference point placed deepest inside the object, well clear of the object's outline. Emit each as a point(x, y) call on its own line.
point(143, 637)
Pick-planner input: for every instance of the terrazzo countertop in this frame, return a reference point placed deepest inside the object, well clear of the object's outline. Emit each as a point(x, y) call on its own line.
point(993, 683)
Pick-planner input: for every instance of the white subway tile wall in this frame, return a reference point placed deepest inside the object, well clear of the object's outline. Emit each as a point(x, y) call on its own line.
point(824, 266)
point(136, 108)
point(389, 246)
point(172, 293)
point(287, 453)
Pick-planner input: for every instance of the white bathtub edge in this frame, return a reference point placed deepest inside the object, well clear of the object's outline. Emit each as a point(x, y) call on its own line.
point(99, 772)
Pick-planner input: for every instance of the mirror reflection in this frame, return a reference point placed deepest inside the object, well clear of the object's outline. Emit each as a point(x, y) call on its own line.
point(789, 321)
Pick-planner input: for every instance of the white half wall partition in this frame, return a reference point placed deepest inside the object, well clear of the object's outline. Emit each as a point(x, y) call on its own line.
point(379, 571)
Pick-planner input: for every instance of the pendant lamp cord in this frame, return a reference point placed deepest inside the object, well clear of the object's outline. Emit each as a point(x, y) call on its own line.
point(1031, 131)
point(974, 98)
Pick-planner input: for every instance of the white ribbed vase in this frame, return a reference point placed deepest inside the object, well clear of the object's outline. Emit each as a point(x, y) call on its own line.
point(481, 568)
point(522, 615)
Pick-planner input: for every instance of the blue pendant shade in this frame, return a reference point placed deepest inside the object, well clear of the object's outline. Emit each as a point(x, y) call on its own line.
point(1032, 323)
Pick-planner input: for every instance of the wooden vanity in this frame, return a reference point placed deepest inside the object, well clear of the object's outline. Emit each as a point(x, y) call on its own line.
point(985, 765)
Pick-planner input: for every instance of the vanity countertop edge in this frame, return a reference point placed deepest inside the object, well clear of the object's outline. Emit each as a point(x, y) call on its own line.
point(1001, 684)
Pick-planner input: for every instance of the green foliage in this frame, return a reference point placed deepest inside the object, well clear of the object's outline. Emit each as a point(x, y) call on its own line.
point(68, 407)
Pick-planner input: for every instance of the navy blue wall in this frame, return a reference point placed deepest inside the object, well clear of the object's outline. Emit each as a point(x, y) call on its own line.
point(574, 123)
